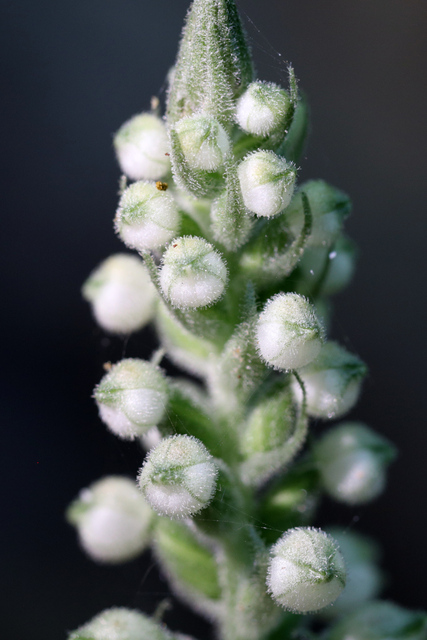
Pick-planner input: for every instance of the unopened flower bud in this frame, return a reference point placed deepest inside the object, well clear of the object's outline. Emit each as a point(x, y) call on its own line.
point(289, 335)
point(352, 461)
point(204, 142)
point(112, 520)
point(329, 207)
point(306, 571)
point(121, 624)
point(147, 217)
point(262, 109)
point(193, 274)
point(381, 620)
point(141, 146)
point(132, 398)
point(121, 294)
point(332, 382)
point(178, 477)
point(267, 183)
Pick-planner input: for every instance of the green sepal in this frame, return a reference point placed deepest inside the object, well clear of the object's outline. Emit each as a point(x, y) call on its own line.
point(214, 65)
point(188, 564)
point(290, 502)
point(294, 144)
point(231, 223)
point(272, 254)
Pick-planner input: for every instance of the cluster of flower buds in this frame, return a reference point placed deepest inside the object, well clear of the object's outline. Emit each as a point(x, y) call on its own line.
point(237, 263)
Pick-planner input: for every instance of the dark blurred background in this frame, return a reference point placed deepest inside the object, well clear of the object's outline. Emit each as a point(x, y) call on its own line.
point(73, 72)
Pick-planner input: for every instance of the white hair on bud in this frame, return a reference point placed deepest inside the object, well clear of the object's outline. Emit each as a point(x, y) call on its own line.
point(147, 217)
point(193, 274)
point(262, 108)
point(306, 570)
point(267, 183)
point(141, 146)
point(204, 142)
point(178, 478)
point(121, 294)
point(132, 398)
point(289, 334)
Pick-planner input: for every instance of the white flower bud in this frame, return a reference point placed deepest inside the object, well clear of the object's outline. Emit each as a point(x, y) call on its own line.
point(178, 477)
point(380, 621)
point(141, 146)
point(112, 520)
point(332, 382)
point(204, 142)
point(122, 295)
point(262, 109)
point(121, 624)
point(352, 460)
point(147, 217)
point(306, 570)
point(193, 274)
point(267, 183)
point(132, 398)
point(289, 335)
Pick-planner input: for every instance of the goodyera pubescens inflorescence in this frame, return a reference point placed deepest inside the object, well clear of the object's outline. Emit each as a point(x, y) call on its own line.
point(234, 264)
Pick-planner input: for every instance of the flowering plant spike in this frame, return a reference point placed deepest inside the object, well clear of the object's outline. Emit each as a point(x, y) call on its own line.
point(234, 264)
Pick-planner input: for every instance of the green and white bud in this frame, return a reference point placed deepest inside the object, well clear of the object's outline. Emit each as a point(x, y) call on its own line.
point(288, 334)
point(147, 217)
point(329, 207)
point(112, 519)
point(141, 146)
point(263, 108)
point(178, 478)
point(352, 461)
point(332, 382)
point(121, 624)
point(132, 398)
point(193, 274)
point(381, 620)
point(204, 142)
point(267, 182)
point(306, 570)
point(328, 270)
point(121, 293)
point(364, 578)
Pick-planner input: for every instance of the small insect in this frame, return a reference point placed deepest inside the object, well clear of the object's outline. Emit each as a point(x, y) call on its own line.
point(167, 154)
point(161, 186)
point(107, 366)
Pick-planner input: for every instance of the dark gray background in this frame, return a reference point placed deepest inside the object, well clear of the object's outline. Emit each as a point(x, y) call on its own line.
point(73, 71)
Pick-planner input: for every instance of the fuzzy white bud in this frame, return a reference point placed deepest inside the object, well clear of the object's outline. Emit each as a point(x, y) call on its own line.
point(132, 398)
point(112, 520)
point(204, 142)
point(121, 293)
point(306, 570)
point(141, 146)
point(147, 217)
point(262, 108)
point(267, 183)
point(193, 274)
point(332, 382)
point(121, 624)
point(288, 333)
point(178, 478)
point(352, 460)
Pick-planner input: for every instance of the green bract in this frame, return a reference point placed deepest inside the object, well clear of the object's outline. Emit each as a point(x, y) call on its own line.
point(236, 268)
